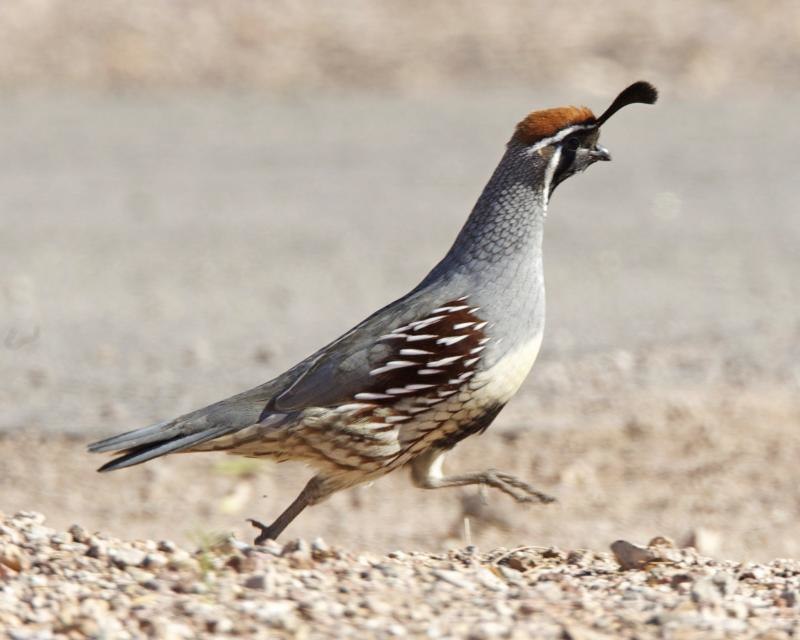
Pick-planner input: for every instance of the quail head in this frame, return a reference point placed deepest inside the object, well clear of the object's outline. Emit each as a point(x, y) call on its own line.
point(426, 371)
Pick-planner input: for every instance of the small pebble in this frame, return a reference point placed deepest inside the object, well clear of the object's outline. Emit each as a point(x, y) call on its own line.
point(631, 556)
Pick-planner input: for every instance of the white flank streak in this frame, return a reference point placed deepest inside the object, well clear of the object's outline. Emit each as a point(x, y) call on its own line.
point(463, 325)
point(415, 352)
point(394, 419)
point(477, 349)
point(398, 391)
point(484, 340)
point(451, 340)
point(415, 410)
point(480, 326)
point(401, 329)
point(392, 336)
point(450, 309)
point(431, 401)
point(446, 394)
point(392, 365)
point(444, 361)
point(422, 336)
point(461, 298)
point(399, 363)
point(421, 324)
point(466, 376)
point(470, 362)
point(372, 396)
point(419, 387)
point(429, 372)
point(353, 406)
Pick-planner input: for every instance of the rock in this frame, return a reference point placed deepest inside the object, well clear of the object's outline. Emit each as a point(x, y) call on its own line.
point(61, 538)
point(299, 552)
point(631, 556)
point(181, 559)
point(320, 547)
point(79, 534)
point(270, 547)
point(97, 548)
point(490, 581)
point(154, 561)
point(488, 631)
point(277, 613)
point(737, 609)
point(297, 546)
point(788, 598)
point(510, 575)
point(661, 541)
point(516, 563)
point(126, 557)
point(454, 578)
point(725, 582)
point(705, 592)
point(10, 534)
point(578, 557)
point(12, 557)
point(219, 625)
point(679, 579)
point(753, 572)
point(166, 546)
point(28, 517)
point(175, 631)
point(258, 581)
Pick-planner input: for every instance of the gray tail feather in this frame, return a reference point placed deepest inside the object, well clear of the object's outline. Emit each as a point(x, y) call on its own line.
point(143, 447)
point(190, 430)
point(130, 439)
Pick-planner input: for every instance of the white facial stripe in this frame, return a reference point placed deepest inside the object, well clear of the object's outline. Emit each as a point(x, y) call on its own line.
point(548, 175)
point(558, 137)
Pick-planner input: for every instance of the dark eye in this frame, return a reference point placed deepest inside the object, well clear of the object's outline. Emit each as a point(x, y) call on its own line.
point(572, 143)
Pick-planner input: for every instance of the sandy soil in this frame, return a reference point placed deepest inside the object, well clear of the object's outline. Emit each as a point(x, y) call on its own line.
point(158, 253)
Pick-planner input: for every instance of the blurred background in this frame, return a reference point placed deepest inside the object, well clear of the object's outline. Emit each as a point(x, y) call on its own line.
point(194, 195)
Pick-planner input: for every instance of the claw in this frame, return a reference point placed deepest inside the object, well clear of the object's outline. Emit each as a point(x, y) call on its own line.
point(266, 532)
point(508, 483)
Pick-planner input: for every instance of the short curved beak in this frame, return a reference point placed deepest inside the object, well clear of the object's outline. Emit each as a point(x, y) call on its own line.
point(600, 153)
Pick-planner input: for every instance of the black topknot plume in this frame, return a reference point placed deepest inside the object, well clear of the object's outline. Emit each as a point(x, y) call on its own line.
point(641, 91)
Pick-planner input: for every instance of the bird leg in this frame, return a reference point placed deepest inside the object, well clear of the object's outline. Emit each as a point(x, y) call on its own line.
point(313, 492)
point(426, 472)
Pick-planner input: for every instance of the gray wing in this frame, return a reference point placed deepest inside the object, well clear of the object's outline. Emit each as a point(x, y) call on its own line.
point(418, 345)
point(341, 369)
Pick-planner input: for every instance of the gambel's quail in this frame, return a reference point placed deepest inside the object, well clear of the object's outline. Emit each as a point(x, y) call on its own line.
point(423, 373)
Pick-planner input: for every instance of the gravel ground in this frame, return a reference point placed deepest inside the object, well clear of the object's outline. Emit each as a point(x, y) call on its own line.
point(75, 584)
